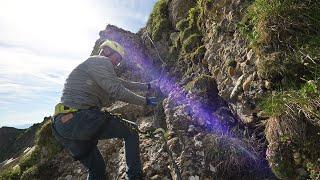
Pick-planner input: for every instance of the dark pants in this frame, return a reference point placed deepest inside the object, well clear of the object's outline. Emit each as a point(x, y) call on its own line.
point(81, 134)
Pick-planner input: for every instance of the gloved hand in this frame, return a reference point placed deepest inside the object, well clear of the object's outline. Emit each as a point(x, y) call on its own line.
point(152, 101)
point(153, 84)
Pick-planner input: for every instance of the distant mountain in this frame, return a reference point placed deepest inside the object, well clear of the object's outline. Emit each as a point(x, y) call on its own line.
point(13, 141)
point(23, 126)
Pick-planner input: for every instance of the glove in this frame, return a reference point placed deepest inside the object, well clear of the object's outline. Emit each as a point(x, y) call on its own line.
point(152, 101)
point(153, 84)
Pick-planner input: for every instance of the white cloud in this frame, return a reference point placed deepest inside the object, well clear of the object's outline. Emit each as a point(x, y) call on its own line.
point(42, 40)
point(59, 26)
point(24, 72)
point(65, 27)
point(30, 84)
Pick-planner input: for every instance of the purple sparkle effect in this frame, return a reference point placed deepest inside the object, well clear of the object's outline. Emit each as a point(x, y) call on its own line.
point(170, 87)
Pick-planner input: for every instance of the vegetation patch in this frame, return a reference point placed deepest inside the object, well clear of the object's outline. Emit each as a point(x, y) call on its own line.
point(30, 159)
point(293, 147)
point(159, 22)
point(284, 34)
point(36, 160)
point(193, 17)
point(276, 104)
point(44, 139)
point(293, 132)
point(12, 173)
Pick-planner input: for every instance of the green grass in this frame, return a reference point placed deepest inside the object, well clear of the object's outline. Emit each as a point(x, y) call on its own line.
point(285, 34)
point(275, 104)
point(30, 173)
point(265, 19)
point(294, 127)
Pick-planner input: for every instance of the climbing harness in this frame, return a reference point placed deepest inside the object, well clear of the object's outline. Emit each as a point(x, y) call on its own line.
point(62, 109)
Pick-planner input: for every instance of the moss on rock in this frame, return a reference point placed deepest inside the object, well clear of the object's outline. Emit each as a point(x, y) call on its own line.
point(47, 142)
point(186, 33)
point(159, 22)
point(193, 18)
point(203, 84)
point(175, 39)
point(160, 27)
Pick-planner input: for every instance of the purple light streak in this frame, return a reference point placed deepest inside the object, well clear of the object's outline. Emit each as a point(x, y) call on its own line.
point(171, 88)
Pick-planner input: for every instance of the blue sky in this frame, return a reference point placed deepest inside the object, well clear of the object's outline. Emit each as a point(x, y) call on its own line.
point(42, 40)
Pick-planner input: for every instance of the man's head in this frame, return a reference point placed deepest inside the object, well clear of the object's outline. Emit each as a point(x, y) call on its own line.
point(113, 50)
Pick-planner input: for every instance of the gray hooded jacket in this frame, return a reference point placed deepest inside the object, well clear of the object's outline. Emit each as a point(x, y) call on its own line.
point(94, 83)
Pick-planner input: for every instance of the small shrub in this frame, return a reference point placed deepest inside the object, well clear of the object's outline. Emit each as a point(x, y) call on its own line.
point(293, 129)
point(233, 159)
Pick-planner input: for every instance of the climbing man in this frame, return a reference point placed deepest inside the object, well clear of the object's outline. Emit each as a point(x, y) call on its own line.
point(79, 123)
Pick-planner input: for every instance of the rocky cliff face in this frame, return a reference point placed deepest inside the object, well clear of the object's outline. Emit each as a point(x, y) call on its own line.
point(240, 88)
